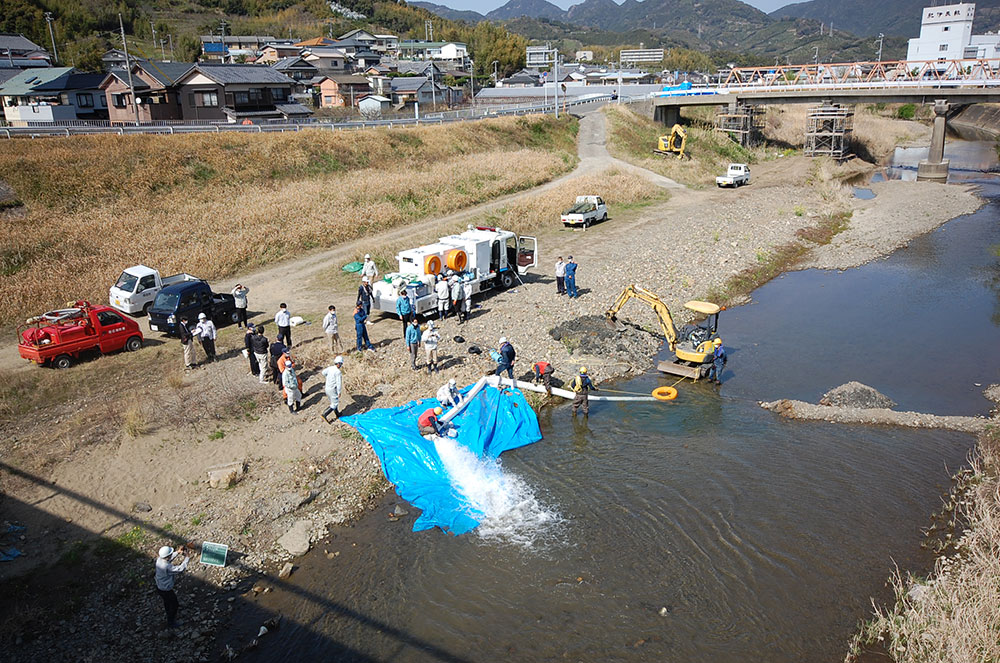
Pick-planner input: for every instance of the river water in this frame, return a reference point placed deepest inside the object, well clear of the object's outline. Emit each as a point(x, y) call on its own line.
point(705, 529)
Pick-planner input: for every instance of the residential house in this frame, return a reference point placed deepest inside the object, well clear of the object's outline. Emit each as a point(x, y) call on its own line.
point(374, 105)
point(433, 50)
point(115, 59)
point(19, 52)
point(342, 90)
point(326, 59)
point(361, 36)
point(409, 89)
point(418, 68)
point(362, 60)
point(238, 93)
point(317, 41)
point(523, 78)
point(298, 69)
point(157, 93)
point(386, 44)
point(221, 48)
point(52, 95)
point(272, 53)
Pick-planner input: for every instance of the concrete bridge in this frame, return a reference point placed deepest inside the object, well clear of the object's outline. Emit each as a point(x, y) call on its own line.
point(948, 85)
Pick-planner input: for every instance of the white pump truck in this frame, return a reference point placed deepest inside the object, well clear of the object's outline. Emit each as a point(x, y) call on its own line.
point(482, 257)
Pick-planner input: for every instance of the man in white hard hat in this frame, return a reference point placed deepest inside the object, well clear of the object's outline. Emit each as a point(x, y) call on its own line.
point(165, 572)
point(448, 395)
point(207, 333)
point(369, 269)
point(334, 387)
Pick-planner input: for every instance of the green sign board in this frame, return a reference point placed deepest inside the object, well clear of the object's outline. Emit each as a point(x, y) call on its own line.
point(214, 554)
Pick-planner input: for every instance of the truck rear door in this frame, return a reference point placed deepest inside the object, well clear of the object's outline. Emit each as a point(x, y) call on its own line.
point(110, 331)
point(527, 253)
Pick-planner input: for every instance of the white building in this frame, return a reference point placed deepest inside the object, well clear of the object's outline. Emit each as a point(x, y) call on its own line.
point(946, 34)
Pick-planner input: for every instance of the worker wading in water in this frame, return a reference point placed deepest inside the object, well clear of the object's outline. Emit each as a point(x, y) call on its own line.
point(719, 360)
point(582, 385)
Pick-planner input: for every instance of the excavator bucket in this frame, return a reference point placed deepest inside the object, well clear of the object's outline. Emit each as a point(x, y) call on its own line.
point(614, 323)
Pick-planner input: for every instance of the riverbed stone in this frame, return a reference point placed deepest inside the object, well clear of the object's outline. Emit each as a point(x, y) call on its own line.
point(855, 394)
point(296, 539)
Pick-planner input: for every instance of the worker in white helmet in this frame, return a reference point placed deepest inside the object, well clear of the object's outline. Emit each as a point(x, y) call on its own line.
point(448, 395)
point(369, 269)
point(165, 572)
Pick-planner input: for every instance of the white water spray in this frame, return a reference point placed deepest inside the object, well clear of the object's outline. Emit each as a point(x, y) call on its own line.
point(511, 512)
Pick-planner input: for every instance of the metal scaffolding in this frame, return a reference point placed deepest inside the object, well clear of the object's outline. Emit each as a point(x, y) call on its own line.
point(828, 131)
point(743, 123)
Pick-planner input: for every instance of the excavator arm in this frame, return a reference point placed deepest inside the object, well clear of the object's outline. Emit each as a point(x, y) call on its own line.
point(661, 310)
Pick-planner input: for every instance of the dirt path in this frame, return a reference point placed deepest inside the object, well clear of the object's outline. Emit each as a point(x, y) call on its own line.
point(296, 280)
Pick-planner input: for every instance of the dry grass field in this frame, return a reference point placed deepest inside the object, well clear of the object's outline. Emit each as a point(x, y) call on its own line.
point(632, 137)
point(213, 205)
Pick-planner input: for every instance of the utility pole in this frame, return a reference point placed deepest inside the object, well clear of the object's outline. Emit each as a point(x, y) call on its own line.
point(555, 75)
point(815, 54)
point(878, 56)
point(472, 80)
point(428, 30)
point(495, 78)
point(52, 35)
point(163, 55)
point(434, 103)
point(152, 29)
point(128, 68)
point(170, 38)
point(222, 32)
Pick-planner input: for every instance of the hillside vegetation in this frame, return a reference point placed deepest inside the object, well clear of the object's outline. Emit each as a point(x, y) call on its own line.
point(220, 204)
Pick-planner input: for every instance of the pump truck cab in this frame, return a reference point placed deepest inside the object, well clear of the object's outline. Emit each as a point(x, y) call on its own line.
point(482, 257)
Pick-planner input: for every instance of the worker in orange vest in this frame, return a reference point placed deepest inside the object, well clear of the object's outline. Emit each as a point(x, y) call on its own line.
point(543, 371)
point(428, 423)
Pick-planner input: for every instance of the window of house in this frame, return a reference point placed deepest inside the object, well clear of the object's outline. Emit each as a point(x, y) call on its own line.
point(241, 98)
point(943, 47)
point(64, 99)
point(85, 100)
point(256, 96)
point(208, 99)
point(328, 100)
point(119, 101)
point(279, 95)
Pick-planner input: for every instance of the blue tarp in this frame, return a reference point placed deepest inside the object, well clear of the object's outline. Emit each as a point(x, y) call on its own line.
point(492, 423)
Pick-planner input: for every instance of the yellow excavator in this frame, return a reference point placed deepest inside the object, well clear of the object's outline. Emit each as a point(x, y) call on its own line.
point(673, 143)
point(692, 347)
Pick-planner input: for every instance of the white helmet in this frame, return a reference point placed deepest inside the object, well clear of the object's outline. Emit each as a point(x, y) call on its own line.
point(202, 316)
point(364, 279)
point(452, 382)
point(165, 552)
point(367, 256)
point(503, 339)
point(338, 360)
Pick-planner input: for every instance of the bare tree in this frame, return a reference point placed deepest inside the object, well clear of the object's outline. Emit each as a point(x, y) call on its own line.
point(371, 112)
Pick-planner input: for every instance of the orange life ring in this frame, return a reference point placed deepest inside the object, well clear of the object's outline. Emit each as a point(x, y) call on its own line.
point(432, 265)
point(457, 259)
point(664, 393)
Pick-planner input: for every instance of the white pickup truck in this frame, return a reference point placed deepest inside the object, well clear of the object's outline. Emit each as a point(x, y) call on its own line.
point(136, 288)
point(586, 210)
point(737, 174)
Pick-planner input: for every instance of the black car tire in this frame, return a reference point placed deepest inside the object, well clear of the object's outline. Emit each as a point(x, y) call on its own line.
point(62, 362)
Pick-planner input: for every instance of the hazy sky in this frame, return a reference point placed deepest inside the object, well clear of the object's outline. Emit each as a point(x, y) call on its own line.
point(483, 6)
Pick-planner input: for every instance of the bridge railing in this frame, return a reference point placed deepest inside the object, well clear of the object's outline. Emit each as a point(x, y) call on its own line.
point(867, 75)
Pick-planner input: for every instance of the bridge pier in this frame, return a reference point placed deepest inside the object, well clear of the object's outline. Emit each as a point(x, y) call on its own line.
point(667, 115)
point(935, 167)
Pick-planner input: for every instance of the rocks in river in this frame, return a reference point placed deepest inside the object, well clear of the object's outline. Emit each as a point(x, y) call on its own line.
point(855, 394)
point(296, 539)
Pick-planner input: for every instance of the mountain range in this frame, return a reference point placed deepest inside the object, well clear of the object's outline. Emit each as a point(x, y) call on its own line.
point(723, 18)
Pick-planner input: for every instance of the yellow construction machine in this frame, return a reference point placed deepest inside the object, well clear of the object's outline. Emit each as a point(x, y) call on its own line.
point(673, 143)
point(692, 347)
